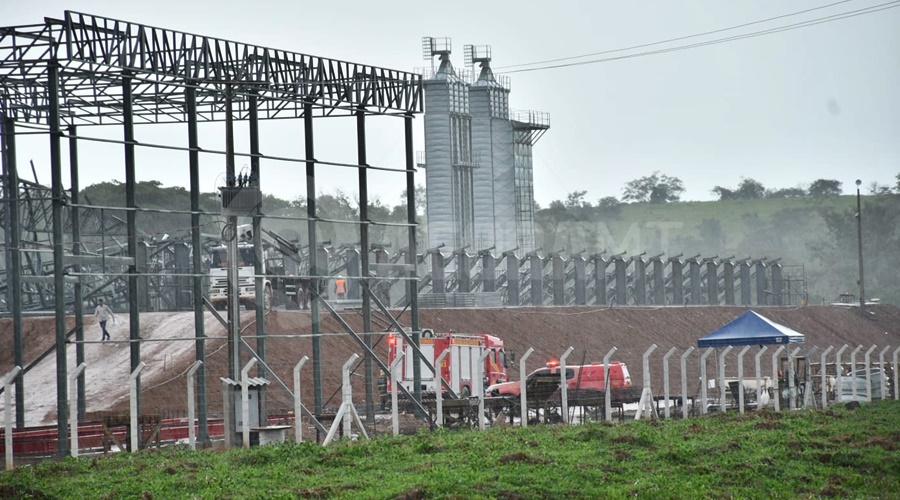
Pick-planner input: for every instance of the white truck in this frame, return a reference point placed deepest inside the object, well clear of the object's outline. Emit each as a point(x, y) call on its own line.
point(280, 265)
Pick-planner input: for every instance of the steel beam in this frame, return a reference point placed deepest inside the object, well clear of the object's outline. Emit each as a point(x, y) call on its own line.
point(134, 317)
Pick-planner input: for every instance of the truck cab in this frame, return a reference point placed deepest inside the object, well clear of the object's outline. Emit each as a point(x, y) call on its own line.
point(246, 285)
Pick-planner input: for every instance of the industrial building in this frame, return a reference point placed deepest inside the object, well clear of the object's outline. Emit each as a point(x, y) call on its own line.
point(478, 155)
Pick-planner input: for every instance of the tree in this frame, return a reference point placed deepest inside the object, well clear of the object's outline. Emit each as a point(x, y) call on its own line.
point(897, 187)
point(723, 193)
point(877, 189)
point(750, 189)
point(655, 188)
point(786, 193)
point(575, 199)
point(825, 187)
point(610, 207)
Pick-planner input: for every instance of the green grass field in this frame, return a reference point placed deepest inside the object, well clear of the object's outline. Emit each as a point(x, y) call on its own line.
point(803, 454)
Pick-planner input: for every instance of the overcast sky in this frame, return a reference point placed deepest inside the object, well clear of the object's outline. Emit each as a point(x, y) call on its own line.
point(784, 109)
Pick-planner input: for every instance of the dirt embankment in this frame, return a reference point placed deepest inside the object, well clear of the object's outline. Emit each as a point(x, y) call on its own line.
point(168, 348)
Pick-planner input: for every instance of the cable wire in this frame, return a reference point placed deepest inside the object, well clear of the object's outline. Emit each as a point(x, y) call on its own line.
point(779, 29)
point(678, 39)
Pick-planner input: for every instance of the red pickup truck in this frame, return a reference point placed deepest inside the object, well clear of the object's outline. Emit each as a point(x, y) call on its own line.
point(579, 377)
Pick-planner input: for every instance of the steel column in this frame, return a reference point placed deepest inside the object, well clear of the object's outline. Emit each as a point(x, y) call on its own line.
point(729, 283)
point(762, 295)
point(14, 264)
point(463, 278)
point(640, 280)
point(134, 318)
point(694, 272)
point(537, 279)
point(659, 282)
point(411, 254)
point(258, 255)
point(363, 177)
point(62, 404)
point(600, 279)
point(512, 278)
point(488, 271)
point(712, 283)
point(558, 270)
point(746, 298)
point(621, 286)
point(76, 250)
point(190, 97)
point(580, 280)
point(677, 282)
point(315, 279)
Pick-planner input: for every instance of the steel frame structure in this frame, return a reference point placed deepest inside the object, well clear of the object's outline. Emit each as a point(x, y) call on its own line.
point(85, 70)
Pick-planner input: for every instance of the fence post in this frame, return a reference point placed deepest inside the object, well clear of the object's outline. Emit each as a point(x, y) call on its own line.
point(684, 387)
point(607, 396)
point(135, 427)
point(723, 394)
point(646, 402)
point(73, 407)
point(8, 416)
point(883, 375)
point(298, 404)
point(808, 399)
point(758, 377)
point(563, 384)
point(791, 386)
point(741, 378)
point(523, 399)
point(245, 401)
point(703, 382)
point(777, 398)
point(439, 387)
point(853, 370)
point(839, 370)
point(480, 382)
point(825, 376)
point(896, 376)
point(228, 413)
point(666, 380)
point(192, 433)
point(868, 362)
point(395, 376)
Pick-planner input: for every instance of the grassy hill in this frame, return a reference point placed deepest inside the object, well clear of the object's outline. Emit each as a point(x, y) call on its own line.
point(832, 453)
point(817, 235)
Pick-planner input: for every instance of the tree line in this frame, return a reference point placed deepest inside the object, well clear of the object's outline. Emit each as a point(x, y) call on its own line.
point(661, 188)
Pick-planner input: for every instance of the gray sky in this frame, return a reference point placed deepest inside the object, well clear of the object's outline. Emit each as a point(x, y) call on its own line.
point(784, 109)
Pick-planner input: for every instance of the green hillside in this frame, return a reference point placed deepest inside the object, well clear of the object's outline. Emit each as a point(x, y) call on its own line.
point(818, 235)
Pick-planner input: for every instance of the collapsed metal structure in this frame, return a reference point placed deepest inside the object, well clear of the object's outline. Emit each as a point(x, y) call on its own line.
point(63, 75)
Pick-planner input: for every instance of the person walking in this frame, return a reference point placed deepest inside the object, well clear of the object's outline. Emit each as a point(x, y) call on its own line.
point(104, 313)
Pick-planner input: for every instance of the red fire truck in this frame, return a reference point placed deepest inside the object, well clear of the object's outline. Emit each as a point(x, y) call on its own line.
point(457, 368)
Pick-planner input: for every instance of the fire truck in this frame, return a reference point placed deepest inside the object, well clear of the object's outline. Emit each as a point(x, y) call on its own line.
point(459, 368)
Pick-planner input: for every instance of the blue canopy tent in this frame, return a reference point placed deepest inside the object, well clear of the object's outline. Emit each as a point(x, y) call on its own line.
point(751, 328)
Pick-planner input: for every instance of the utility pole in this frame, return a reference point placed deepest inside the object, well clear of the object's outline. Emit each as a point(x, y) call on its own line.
point(862, 288)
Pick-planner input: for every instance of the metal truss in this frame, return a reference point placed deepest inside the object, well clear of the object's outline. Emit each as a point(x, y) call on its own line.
point(96, 54)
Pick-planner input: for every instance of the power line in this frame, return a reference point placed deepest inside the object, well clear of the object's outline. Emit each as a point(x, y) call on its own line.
point(678, 39)
point(789, 27)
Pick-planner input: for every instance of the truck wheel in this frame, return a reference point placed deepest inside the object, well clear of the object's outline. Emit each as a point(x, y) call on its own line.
point(465, 393)
point(267, 299)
